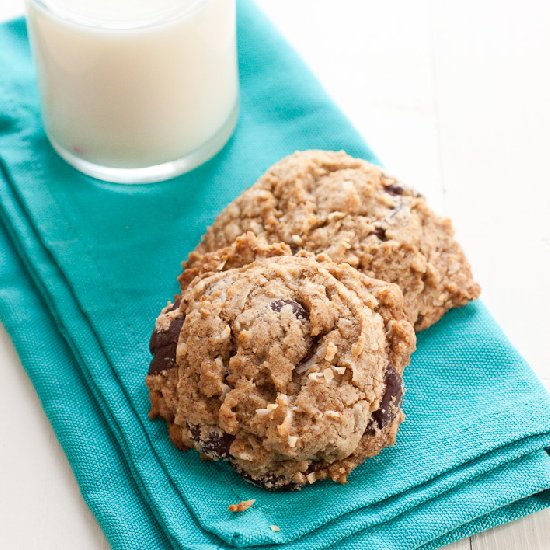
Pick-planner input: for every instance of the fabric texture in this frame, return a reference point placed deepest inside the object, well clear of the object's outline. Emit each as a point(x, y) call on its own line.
point(85, 267)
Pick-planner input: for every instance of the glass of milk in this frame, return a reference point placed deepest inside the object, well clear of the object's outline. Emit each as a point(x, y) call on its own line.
point(136, 91)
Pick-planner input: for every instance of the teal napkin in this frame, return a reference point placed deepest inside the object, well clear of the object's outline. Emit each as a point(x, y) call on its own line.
point(85, 267)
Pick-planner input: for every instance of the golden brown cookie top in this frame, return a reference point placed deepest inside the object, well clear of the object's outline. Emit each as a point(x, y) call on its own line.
point(285, 361)
point(351, 210)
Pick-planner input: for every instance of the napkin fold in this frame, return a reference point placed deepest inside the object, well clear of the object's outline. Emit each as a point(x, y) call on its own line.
point(85, 267)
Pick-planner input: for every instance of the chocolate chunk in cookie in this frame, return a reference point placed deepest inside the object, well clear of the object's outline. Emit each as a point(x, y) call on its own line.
point(214, 444)
point(162, 376)
point(393, 189)
point(270, 482)
point(297, 309)
point(163, 343)
point(391, 401)
point(379, 232)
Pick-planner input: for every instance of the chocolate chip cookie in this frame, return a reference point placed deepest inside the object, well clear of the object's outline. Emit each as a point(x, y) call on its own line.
point(287, 366)
point(324, 201)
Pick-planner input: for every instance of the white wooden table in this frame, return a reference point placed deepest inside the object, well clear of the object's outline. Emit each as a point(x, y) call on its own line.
point(454, 97)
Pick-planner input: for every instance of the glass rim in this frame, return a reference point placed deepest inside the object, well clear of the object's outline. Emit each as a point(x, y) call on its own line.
point(103, 24)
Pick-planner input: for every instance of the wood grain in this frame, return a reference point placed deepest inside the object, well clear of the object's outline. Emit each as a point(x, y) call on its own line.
point(531, 532)
point(464, 544)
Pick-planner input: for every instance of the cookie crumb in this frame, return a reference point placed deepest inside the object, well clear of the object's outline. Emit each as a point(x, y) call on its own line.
point(329, 375)
point(311, 477)
point(275, 528)
point(241, 506)
point(331, 351)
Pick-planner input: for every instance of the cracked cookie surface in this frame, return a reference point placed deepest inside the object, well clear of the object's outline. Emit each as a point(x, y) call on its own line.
point(289, 367)
point(328, 202)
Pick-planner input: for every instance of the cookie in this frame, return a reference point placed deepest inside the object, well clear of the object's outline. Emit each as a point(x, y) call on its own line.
point(287, 366)
point(329, 202)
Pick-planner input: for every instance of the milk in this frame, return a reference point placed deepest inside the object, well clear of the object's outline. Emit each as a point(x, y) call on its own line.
point(134, 84)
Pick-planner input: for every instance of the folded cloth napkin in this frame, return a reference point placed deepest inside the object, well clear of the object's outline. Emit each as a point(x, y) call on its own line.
point(85, 267)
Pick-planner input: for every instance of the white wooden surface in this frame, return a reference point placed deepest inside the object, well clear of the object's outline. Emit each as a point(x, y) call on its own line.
point(455, 98)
